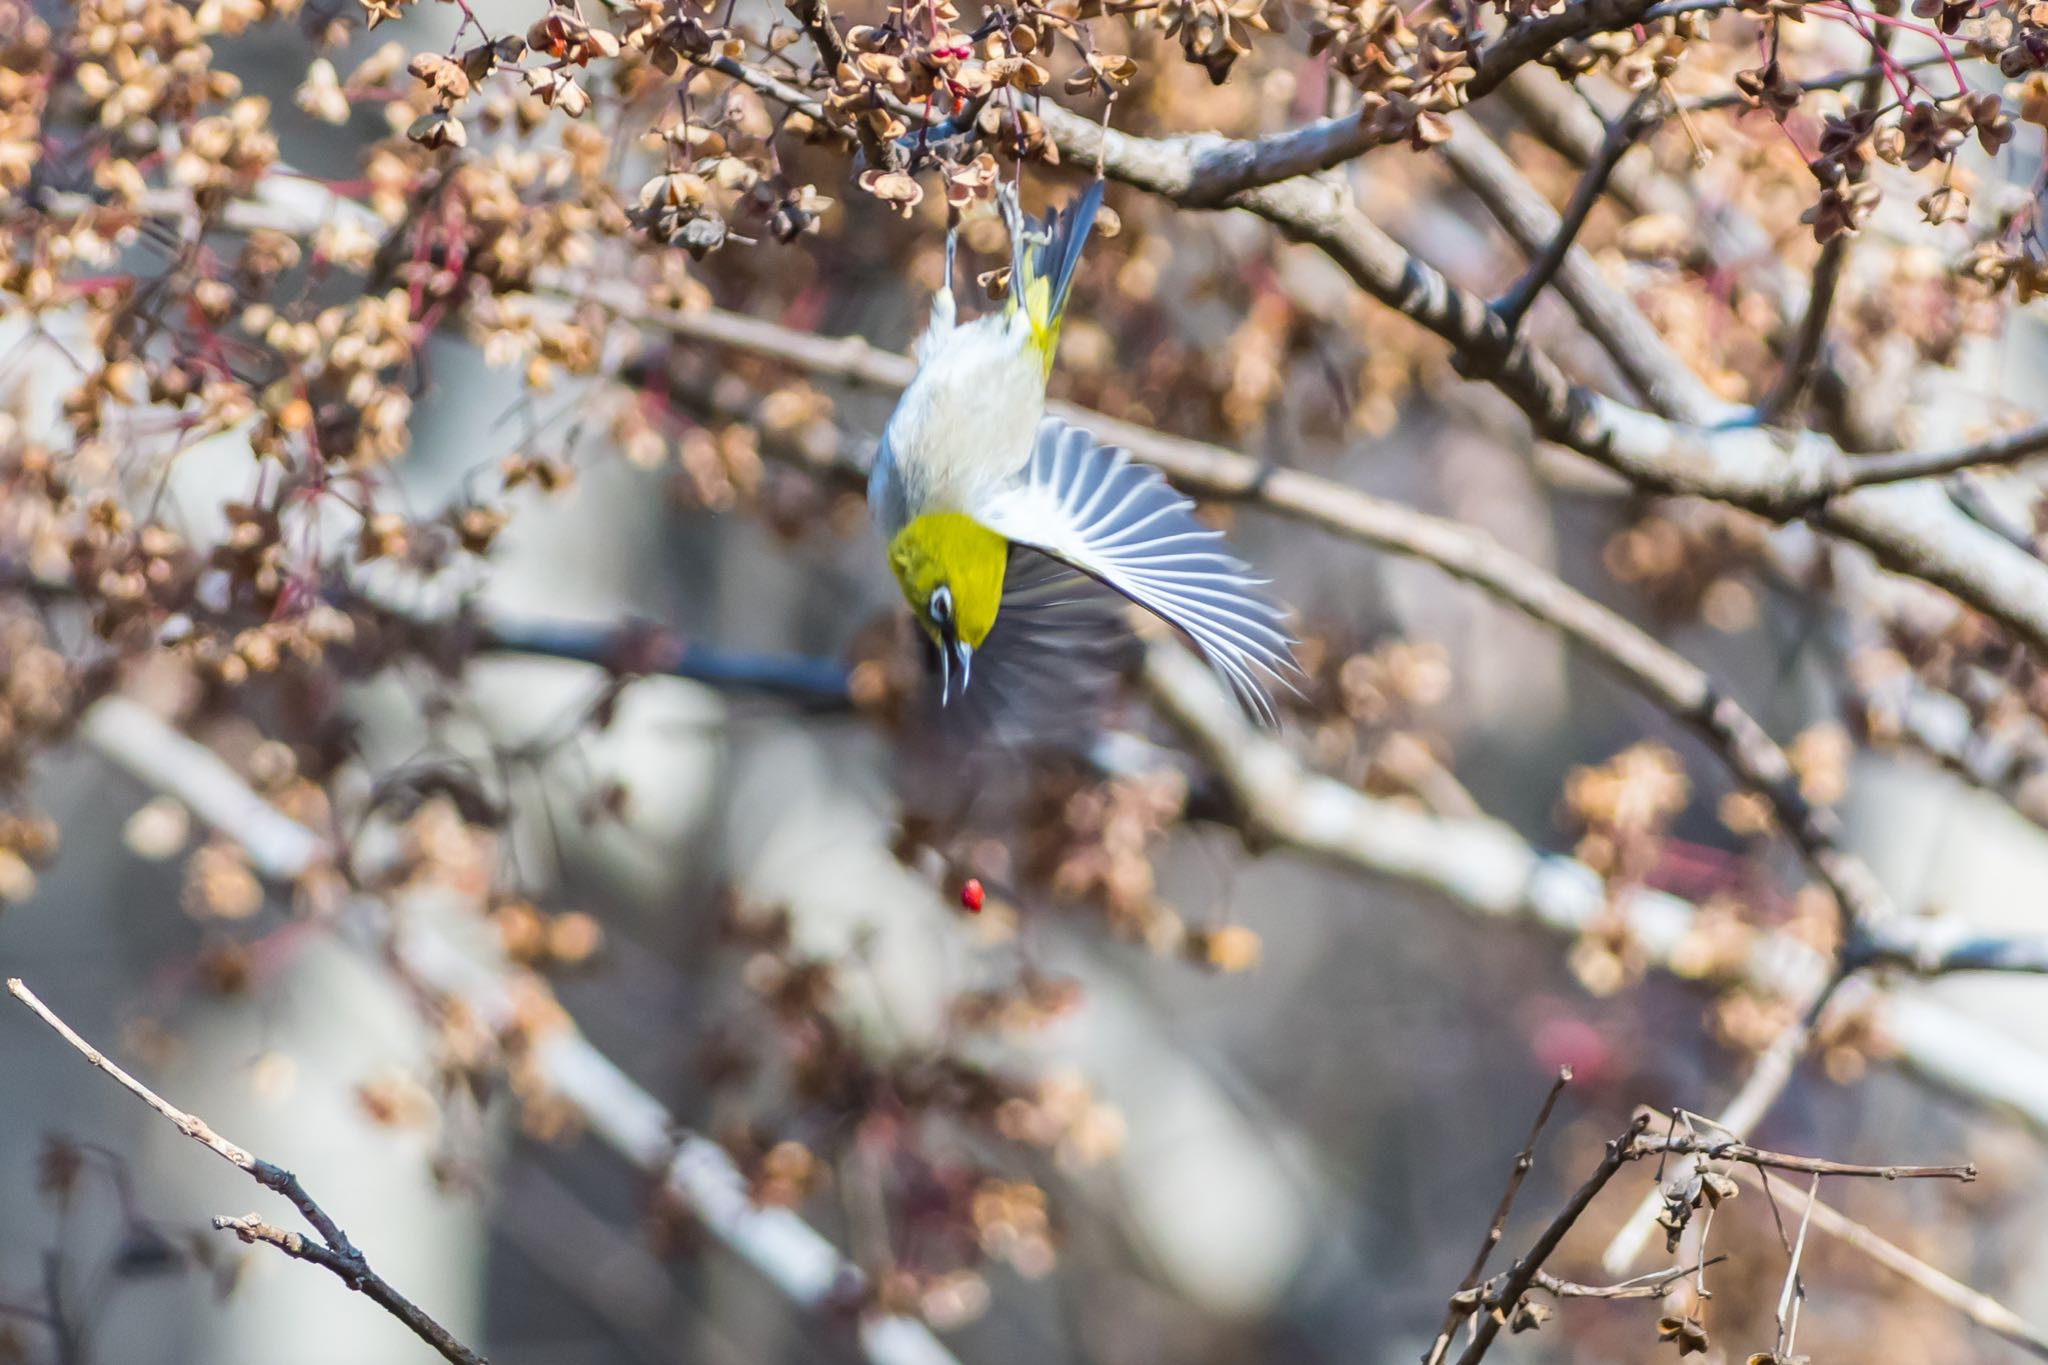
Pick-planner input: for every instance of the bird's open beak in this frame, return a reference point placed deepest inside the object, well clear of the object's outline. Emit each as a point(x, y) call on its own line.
point(956, 663)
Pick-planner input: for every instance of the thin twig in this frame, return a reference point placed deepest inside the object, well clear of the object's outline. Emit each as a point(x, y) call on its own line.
point(1767, 1080)
point(1644, 113)
point(1804, 350)
point(1899, 466)
point(1524, 1159)
point(1654, 1285)
point(1794, 1293)
point(1979, 1308)
point(334, 1251)
point(1494, 1312)
point(1727, 1149)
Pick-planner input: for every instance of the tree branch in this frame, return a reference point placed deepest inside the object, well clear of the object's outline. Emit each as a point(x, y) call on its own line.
point(1488, 870)
point(1492, 1314)
point(808, 1270)
point(333, 1252)
point(1803, 353)
point(1899, 466)
point(1728, 1149)
point(1979, 1308)
point(1462, 1303)
point(1643, 115)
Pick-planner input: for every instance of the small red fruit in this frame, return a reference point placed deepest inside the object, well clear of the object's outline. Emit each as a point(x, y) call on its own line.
point(971, 896)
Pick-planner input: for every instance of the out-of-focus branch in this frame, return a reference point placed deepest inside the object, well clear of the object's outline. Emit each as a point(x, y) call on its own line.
point(333, 1251)
point(1487, 869)
point(1899, 466)
point(1802, 354)
point(1932, 948)
point(785, 1250)
point(1643, 114)
point(1910, 530)
point(638, 648)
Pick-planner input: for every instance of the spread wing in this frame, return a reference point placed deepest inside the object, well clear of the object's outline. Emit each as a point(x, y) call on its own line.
point(1120, 522)
point(1047, 673)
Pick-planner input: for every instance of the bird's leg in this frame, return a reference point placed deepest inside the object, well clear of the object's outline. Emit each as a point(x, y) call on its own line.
point(1020, 239)
point(943, 309)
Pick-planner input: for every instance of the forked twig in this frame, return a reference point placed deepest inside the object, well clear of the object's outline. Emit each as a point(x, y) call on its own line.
point(1524, 1159)
point(333, 1251)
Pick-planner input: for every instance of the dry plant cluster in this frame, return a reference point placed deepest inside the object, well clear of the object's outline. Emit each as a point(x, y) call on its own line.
point(1754, 245)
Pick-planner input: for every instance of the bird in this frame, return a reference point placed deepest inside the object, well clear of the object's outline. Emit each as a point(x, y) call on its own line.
point(1003, 523)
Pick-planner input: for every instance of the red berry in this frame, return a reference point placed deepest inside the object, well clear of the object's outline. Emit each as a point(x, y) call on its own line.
point(971, 896)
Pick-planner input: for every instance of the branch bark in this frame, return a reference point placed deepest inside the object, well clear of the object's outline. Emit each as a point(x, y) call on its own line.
point(333, 1252)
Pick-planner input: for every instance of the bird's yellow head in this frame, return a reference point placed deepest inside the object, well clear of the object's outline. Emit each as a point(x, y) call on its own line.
point(950, 568)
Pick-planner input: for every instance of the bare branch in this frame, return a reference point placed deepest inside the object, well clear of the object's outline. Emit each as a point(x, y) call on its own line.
point(1487, 869)
point(1644, 113)
point(1899, 466)
point(1762, 1088)
point(333, 1252)
point(1979, 1308)
point(1727, 1149)
point(1654, 1285)
point(1802, 354)
point(1524, 1159)
point(1933, 948)
point(1493, 1312)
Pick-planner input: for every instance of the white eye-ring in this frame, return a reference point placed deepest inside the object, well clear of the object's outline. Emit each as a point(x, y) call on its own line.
point(941, 605)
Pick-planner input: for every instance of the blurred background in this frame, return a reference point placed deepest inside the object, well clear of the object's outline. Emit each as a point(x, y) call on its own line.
point(1185, 1087)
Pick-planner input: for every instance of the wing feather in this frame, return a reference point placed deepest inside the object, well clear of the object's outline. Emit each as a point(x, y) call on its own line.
point(1120, 522)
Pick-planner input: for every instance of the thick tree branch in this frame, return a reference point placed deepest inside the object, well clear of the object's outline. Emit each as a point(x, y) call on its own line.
point(333, 1252)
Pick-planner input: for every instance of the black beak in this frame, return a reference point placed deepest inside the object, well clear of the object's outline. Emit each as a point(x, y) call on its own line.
point(956, 662)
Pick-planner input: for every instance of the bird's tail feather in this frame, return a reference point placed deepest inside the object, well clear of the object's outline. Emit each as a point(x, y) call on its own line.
point(1043, 258)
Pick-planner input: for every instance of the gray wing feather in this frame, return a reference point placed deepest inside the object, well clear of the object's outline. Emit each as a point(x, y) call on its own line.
point(1120, 522)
